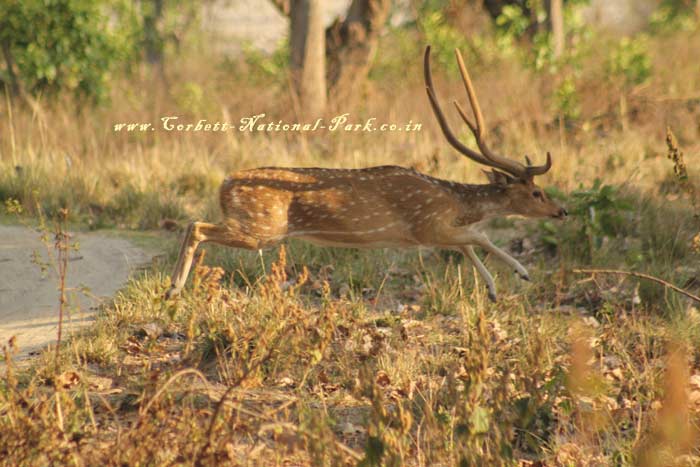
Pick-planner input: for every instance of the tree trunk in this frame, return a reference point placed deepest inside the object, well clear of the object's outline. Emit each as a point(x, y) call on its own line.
point(308, 46)
point(351, 45)
point(284, 6)
point(556, 21)
point(13, 84)
point(153, 36)
point(15, 87)
point(345, 50)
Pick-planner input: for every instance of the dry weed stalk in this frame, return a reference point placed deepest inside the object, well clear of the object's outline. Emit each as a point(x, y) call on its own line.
point(63, 247)
point(680, 170)
point(388, 433)
point(681, 173)
point(673, 436)
point(587, 388)
point(59, 262)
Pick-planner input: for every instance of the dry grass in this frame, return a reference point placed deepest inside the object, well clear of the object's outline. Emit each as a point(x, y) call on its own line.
point(332, 357)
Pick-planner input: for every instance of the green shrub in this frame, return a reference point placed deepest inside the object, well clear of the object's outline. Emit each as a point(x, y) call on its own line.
point(264, 67)
point(597, 213)
point(59, 45)
point(673, 16)
point(443, 37)
point(566, 100)
point(630, 61)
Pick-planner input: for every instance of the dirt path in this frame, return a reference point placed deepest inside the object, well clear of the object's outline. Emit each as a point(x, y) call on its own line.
point(29, 300)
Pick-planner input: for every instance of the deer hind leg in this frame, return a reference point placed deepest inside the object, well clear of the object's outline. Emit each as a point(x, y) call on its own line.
point(198, 232)
point(483, 272)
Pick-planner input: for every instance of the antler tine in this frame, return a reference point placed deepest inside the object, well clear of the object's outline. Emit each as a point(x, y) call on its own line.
point(463, 114)
point(451, 138)
point(540, 169)
point(497, 161)
point(486, 157)
point(476, 109)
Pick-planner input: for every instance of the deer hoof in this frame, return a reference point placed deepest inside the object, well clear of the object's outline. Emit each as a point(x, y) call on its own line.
point(492, 297)
point(525, 277)
point(172, 293)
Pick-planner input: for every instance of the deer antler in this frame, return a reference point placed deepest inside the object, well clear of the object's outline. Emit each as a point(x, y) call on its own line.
point(478, 129)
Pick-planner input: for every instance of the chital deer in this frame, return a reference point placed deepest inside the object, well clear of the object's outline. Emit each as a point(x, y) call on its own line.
point(376, 207)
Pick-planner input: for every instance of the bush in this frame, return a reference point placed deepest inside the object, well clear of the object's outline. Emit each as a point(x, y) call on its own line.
point(57, 45)
point(598, 213)
point(630, 61)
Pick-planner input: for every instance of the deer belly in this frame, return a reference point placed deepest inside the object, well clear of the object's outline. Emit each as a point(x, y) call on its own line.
point(357, 238)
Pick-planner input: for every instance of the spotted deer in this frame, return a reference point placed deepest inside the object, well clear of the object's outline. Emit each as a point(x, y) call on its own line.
point(377, 207)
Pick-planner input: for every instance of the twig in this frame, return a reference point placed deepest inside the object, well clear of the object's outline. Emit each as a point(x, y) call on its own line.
point(641, 276)
point(63, 248)
point(217, 409)
point(172, 379)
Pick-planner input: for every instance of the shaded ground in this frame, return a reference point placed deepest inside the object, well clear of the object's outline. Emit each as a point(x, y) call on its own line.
point(29, 298)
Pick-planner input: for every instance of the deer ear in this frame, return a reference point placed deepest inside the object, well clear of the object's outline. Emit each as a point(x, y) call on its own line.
point(499, 178)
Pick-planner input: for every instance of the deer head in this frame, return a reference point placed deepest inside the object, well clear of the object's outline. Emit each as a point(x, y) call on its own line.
point(526, 198)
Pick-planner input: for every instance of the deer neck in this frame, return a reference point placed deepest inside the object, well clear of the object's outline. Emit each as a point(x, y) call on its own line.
point(484, 202)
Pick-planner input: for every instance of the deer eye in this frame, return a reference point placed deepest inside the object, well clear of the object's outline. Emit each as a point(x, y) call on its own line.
point(537, 194)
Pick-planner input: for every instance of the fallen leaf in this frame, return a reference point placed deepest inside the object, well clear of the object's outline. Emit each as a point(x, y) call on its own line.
point(67, 379)
point(382, 378)
point(285, 382)
point(99, 383)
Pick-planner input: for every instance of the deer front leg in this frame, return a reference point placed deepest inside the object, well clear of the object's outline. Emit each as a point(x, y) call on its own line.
point(184, 260)
point(468, 236)
point(486, 244)
point(198, 232)
point(483, 272)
